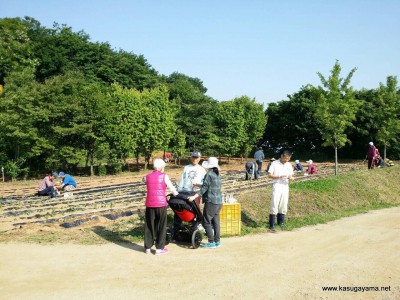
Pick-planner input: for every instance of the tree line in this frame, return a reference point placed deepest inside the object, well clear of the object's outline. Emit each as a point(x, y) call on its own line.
point(67, 100)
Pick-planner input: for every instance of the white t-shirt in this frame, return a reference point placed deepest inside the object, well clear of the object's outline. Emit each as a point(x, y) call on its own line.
point(191, 175)
point(277, 168)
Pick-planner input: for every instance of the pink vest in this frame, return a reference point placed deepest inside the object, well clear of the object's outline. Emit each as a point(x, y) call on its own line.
point(155, 182)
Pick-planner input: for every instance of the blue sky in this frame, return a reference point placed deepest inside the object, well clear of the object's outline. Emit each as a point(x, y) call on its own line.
point(263, 49)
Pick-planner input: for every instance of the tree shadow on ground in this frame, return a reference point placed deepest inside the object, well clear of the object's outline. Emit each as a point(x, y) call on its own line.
point(117, 238)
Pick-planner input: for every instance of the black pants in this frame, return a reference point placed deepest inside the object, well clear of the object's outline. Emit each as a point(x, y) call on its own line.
point(155, 228)
point(370, 163)
point(259, 164)
point(211, 221)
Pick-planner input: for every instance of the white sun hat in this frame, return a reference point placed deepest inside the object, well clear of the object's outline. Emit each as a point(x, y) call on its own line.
point(212, 162)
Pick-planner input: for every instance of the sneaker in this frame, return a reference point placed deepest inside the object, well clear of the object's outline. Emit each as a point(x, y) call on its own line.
point(209, 245)
point(147, 251)
point(218, 244)
point(163, 251)
point(273, 230)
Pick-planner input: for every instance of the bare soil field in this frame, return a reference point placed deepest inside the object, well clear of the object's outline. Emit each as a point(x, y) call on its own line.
point(358, 256)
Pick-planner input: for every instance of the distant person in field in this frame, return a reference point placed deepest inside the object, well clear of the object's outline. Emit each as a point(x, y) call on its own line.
point(155, 229)
point(46, 186)
point(251, 170)
point(259, 157)
point(281, 173)
point(298, 167)
point(67, 181)
point(371, 155)
point(312, 168)
point(269, 164)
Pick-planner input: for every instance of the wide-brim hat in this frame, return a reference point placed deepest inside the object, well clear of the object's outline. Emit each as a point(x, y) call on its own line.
point(212, 162)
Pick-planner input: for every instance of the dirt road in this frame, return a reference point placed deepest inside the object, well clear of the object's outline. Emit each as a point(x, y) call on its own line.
point(356, 252)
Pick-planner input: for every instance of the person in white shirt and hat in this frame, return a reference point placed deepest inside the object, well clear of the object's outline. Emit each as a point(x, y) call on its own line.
point(281, 173)
point(191, 181)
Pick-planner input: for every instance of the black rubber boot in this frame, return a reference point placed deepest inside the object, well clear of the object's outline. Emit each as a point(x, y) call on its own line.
point(272, 223)
point(281, 219)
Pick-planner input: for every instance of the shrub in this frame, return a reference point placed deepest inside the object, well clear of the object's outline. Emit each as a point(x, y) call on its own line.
point(101, 170)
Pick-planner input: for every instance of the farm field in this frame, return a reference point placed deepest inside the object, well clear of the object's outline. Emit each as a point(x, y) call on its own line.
point(101, 199)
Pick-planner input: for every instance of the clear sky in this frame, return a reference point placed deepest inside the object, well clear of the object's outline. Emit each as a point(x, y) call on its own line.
point(264, 49)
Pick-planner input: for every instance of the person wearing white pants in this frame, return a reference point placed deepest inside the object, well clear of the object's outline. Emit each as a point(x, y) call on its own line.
point(281, 173)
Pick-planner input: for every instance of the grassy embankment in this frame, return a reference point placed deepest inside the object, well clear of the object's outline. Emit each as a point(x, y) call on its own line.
point(323, 200)
point(311, 202)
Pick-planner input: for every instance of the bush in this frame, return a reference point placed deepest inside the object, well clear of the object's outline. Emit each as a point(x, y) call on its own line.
point(101, 170)
point(115, 166)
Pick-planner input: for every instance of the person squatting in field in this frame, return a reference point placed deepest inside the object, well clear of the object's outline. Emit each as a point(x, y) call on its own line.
point(251, 170)
point(155, 229)
point(46, 186)
point(67, 181)
point(212, 199)
point(281, 173)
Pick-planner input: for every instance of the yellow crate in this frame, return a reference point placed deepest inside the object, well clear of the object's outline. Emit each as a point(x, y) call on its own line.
point(231, 219)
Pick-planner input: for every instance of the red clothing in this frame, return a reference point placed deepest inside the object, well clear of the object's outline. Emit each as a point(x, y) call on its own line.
point(312, 169)
point(371, 152)
point(156, 187)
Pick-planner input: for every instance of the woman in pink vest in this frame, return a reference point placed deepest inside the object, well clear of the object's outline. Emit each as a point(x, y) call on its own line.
point(155, 229)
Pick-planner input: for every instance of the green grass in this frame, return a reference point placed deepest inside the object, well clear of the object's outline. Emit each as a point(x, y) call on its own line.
point(323, 200)
point(322, 185)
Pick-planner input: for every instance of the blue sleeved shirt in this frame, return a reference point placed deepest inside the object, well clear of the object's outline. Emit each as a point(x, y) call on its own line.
point(68, 179)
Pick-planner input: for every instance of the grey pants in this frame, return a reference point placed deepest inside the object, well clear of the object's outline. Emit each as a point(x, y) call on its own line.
point(211, 221)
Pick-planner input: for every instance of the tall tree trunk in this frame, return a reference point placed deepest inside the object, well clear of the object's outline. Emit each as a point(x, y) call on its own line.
point(91, 164)
point(384, 152)
point(336, 161)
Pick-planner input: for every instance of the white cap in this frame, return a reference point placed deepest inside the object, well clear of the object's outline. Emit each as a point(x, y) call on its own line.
point(309, 161)
point(371, 143)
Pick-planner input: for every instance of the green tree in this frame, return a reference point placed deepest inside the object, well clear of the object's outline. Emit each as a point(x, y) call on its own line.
point(76, 111)
point(21, 115)
point(124, 123)
point(387, 112)
point(336, 109)
point(15, 47)
point(230, 122)
point(177, 144)
point(195, 118)
point(254, 123)
point(157, 115)
point(292, 125)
